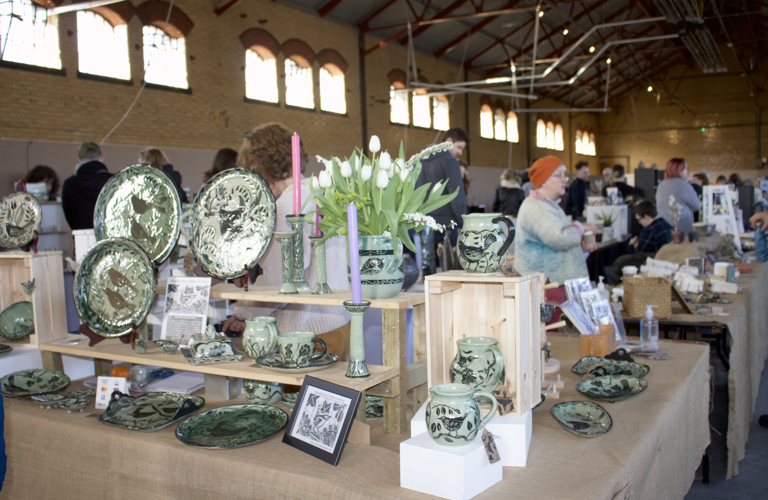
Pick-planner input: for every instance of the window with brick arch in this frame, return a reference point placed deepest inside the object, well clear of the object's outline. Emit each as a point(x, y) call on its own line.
point(592, 148)
point(102, 49)
point(513, 135)
point(499, 125)
point(585, 149)
point(559, 144)
point(541, 134)
point(332, 90)
point(550, 135)
point(486, 122)
point(260, 75)
point(298, 85)
point(28, 34)
point(165, 58)
point(422, 111)
point(441, 113)
point(578, 143)
point(398, 104)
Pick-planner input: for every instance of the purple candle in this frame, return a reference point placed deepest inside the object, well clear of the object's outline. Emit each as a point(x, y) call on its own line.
point(354, 254)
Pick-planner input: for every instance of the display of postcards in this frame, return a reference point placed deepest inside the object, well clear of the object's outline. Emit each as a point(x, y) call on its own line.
point(574, 287)
point(603, 315)
point(579, 318)
point(587, 299)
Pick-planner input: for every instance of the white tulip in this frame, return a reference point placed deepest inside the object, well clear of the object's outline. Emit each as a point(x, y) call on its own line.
point(315, 183)
point(346, 169)
point(325, 179)
point(328, 166)
point(385, 161)
point(375, 144)
point(399, 164)
point(382, 179)
point(434, 188)
point(390, 172)
point(404, 174)
point(366, 173)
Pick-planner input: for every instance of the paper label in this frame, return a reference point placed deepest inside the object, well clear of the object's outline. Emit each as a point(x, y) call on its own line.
point(505, 401)
point(186, 307)
point(490, 447)
point(106, 386)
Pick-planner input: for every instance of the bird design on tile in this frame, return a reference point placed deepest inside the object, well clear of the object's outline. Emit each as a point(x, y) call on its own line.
point(119, 280)
point(138, 232)
point(117, 301)
point(141, 206)
point(475, 253)
point(29, 286)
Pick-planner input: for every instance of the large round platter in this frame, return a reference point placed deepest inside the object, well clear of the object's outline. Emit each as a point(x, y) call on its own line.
point(150, 412)
point(31, 382)
point(612, 367)
point(612, 387)
point(232, 426)
point(274, 363)
point(17, 320)
point(232, 223)
point(582, 418)
point(20, 216)
point(140, 203)
point(114, 287)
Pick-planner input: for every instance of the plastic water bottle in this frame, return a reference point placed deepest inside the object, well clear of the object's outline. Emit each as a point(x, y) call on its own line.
point(649, 331)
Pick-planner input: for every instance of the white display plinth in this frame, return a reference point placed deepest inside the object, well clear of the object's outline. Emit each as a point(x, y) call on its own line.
point(453, 472)
point(515, 432)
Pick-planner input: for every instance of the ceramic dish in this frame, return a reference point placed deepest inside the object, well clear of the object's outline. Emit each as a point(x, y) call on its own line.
point(17, 320)
point(114, 287)
point(290, 398)
point(73, 404)
point(206, 360)
point(31, 382)
point(612, 367)
point(82, 393)
point(150, 412)
point(140, 203)
point(20, 216)
point(612, 387)
point(232, 426)
point(582, 418)
point(232, 223)
point(374, 407)
point(48, 401)
point(5, 349)
point(274, 363)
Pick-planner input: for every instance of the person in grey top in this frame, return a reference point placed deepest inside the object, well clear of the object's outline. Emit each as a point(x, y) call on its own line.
point(675, 184)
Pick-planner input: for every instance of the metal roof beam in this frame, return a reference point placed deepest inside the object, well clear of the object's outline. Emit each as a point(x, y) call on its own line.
point(456, 41)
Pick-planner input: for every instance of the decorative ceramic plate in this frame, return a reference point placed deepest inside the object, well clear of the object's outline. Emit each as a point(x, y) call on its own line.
point(31, 382)
point(612, 367)
point(274, 363)
point(150, 412)
point(612, 387)
point(5, 349)
point(212, 351)
point(140, 203)
point(583, 418)
point(17, 320)
point(73, 404)
point(20, 216)
point(233, 223)
point(82, 393)
point(114, 287)
point(48, 401)
point(374, 407)
point(232, 426)
point(290, 399)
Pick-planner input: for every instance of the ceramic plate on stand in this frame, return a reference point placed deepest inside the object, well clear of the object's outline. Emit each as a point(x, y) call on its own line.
point(114, 287)
point(582, 418)
point(612, 367)
point(611, 387)
point(232, 223)
point(274, 363)
point(140, 203)
point(150, 412)
point(17, 321)
point(20, 216)
point(5, 349)
point(232, 426)
point(31, 382)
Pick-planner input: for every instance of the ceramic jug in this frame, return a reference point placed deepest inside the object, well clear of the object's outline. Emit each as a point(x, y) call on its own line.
point(453, 416)
point(482, 244)
point(260, 336)
point(478, 363)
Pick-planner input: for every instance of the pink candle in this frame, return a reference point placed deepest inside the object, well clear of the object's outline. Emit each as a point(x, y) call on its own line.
point(296, 157)
point(318, 218)
point(354, 254)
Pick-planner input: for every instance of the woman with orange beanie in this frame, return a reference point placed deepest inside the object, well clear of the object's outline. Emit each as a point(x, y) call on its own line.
point(546, 240)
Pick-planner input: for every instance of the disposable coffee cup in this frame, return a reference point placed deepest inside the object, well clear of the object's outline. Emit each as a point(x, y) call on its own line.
point(629, 270)
point(588, 237)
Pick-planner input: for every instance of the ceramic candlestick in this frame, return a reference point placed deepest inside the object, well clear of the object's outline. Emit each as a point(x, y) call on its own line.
point(286, 245)
point(297, 222)
point(357, 367)
point(321, 276)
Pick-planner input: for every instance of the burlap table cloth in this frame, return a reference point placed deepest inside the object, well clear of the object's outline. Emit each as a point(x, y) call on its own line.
point(656, 444)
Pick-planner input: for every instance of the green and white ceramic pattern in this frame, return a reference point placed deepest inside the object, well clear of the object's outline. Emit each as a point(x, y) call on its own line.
point(582, 418)
point(140, 203)
point(233, 222)
point(210, 360)
point(286, 257)
point(17, 320)
point(82, 393)
point(20, 216)
point(262, 393)
point(297, 349)
point(381, 266)
point(48, 401)
point(232, 426)
point(612, 367)
point(478, 363)
point(453, 416)
point(612, 387)
point(31, 382)
point(5, 349)
point(211, 349)
point(374, 407)
point(73, 404)
point(274, 363)
point(150, 412)
point(260, 336)
point(482, 243)
point(290, 399)
point(114, 287)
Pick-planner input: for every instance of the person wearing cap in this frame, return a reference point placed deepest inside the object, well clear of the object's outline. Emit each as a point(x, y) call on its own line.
point(546, 239)
point(80, 191)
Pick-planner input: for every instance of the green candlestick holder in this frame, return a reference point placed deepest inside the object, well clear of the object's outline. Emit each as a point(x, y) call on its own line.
point(286, 247)
point(357, 367)
point(297, 222)
point(321, 275)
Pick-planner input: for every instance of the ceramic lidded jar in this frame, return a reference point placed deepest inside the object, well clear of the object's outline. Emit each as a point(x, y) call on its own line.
point(482, 244)
point(262, 393)
point(478, 363)
point(260, 336)
point(453, 416)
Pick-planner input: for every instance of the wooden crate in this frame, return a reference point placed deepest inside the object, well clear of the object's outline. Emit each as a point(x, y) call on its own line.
point(469, 305)
point(47, 299)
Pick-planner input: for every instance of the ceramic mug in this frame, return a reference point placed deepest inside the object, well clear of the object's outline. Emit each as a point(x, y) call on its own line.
point(453, 416)
point(297, 349)
point(478, 363)
point(262, 393)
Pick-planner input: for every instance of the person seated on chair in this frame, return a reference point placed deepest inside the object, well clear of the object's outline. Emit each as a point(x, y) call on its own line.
point(656, 233)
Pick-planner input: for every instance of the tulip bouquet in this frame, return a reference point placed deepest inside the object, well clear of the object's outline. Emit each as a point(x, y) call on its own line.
point(384, 191)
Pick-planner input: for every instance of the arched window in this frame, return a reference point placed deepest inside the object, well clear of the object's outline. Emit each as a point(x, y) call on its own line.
point(298, 83)
point(578, 143)
point(398, 103)
point(440, 113)
point(486, 122)
point(541, 134)
point(499, 125)
point(28, 35)
point(260, 75)
point(512, 132)
point(559, 145)
point(592, 149)
point(422, 111)
point(585, 143)
point(332, 90)
point(102, 49)
point(550, 135)
point(165, 58)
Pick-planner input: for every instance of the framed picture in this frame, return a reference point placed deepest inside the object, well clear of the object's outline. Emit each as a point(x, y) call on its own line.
point(578, 317)
point(321, 419)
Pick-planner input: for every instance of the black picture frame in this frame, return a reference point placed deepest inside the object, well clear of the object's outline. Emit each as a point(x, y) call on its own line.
point(334, 407)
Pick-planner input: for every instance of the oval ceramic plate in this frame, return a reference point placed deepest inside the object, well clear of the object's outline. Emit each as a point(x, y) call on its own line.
point(31, 382)
point(150, 412)
point(275, 363)
point(232, 426)
point(140, 203)
point(612, 387)
point(5, 349)
point(232, 223)
point(612, 367)
point(20, 216)
point(114, 287)
point(17, 320)
point(582, 418)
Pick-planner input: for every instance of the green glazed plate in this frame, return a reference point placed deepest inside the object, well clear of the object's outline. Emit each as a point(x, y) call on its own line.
point(72, 404)
point(140, 203)
point(5, 349)
point(20, 216)
point(232, 223)
point(82, 393)
point(114, 287)
point(612, 366)
point(274, 363)
point(232, 426)
point(612, 387)
point(582, 418)
point(17, 321)
point(31, 382)
point(150, 412)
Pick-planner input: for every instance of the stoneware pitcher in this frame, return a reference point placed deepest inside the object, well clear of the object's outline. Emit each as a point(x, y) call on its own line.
point(453, 416)
point(482, 244)
point(478, 363)
point(260, 336)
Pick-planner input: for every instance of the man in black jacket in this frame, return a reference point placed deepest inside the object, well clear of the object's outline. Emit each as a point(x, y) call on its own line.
point(80, 192)
point(577, 192)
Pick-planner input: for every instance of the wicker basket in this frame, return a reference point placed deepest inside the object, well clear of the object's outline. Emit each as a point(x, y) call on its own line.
point(642, 292)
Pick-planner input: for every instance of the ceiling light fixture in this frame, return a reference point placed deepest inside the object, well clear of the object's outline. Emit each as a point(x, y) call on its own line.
point(608, 61)
point(565, 31)
point(650, 89)
point(541, 13)
point(591, 49)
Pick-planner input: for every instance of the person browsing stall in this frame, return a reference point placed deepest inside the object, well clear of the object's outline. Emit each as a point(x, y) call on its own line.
point(675, 184)
point(80, 191)
point(656, 233)
point(578, 193)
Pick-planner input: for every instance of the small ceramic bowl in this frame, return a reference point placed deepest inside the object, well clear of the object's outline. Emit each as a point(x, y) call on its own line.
point(74, 404)
point(48, 401)
point(582, 418)
point(612, 387)
point(263, 393)
point(290, 399)
point(168, 346)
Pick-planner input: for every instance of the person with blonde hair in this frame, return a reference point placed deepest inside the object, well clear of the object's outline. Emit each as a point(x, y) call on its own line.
point(510, 195)
point(156, 158)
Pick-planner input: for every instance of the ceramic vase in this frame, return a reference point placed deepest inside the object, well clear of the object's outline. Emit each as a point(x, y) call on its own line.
point(478, 363)
point(482, 245)
point(357, 367)
point(321, 273)
point(262, 393)
point(260, 336)
point(453, 415)
point(381, 266)
point(297, 223)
